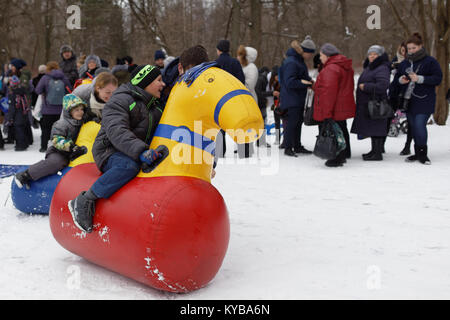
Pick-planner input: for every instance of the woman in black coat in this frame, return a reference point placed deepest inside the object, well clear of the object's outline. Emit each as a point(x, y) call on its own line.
point(372, 84)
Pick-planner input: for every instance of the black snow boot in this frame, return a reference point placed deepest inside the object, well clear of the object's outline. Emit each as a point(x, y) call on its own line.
point(82, 209)
point(406, 150)
point(414, 157)
point(290, 153)
point(372, 150)
point(377, 154)
point(22, 179)
point(423, 155)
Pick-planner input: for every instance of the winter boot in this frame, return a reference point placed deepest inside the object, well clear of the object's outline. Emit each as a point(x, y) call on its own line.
point(82, 209)
point(22, 179)
point(414, 157)
point(423, 155)
point(406, 150)
point(290, 153)
point(371, 152)
point(302, 150)
point(377, 154)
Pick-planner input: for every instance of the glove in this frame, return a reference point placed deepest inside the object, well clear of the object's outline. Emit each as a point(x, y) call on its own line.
point(149, 156)
point(77, 151)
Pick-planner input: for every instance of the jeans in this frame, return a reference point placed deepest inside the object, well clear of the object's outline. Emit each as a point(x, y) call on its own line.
point(418, 125)
point(117, 172)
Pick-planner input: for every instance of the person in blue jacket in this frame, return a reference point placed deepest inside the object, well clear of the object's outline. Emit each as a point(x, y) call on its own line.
point(295, 80)
point(418, 76)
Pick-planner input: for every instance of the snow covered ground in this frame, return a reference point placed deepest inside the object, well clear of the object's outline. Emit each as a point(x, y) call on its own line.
point(299, 230)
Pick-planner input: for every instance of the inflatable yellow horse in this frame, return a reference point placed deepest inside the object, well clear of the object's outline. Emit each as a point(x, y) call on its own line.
point(167, 228)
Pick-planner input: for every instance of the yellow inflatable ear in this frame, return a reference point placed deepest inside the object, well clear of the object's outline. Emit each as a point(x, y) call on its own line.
point(86, 138)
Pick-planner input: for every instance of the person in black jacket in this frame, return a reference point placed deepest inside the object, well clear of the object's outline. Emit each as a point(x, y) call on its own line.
point(129, 121)
point(262, 93)
point(68, 64)
point(232, 66)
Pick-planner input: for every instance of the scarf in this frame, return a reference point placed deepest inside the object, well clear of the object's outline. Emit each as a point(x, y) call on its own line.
point(96, 107)
point(419, 55)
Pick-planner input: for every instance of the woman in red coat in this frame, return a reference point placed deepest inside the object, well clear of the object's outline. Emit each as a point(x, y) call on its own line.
point(334, 95)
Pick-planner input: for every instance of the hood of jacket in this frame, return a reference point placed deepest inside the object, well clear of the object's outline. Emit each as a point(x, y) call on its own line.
point(136, 92)
point(56, 74)
point(341, 61)
point(292, 53)
point(95, 58)
point(252, 54)
point(383, 59)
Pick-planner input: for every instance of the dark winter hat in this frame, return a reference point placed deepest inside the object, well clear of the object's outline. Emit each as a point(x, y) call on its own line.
point(224, 46)
point(142, 76)
point(308, 45)
point(18, 63)
point(329, 50)
point(65, 48)
point(159, 54)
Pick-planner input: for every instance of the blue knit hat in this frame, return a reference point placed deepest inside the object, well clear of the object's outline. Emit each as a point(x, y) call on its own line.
point(159, 54)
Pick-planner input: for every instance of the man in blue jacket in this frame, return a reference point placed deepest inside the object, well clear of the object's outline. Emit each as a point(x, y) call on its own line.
point(295, 80)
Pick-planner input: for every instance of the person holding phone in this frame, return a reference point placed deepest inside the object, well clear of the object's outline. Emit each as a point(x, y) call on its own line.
point(418, 76)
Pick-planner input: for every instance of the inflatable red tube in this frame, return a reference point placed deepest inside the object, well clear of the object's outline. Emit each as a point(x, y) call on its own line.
point(170, 233)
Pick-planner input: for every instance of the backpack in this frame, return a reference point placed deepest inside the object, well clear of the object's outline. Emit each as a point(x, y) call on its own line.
point(56, 92)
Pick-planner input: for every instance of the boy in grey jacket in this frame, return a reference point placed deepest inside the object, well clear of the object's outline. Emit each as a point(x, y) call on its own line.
point(63, 149)
point(129, 121)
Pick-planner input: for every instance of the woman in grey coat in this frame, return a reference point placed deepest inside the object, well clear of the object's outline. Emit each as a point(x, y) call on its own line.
point(372, 84)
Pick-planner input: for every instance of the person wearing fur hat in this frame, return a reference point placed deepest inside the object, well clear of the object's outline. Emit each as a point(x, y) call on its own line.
point(121, 147)
point(295, 81)
point(334, 95)
point(68, 64)
point(91, 64)
point(372, 84)
point(63, 149)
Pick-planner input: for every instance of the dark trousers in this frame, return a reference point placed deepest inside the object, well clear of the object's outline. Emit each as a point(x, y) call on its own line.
point(292, 136)
point(2, 142)
point(22, 136)
point(117, 172)
point(47, 122)
point(418, 126)
point(53, 163)
point(221, 146)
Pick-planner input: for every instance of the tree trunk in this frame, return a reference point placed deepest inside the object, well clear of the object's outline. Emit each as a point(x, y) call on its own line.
point(443, 56)
point(235, 27)
point(256, 27)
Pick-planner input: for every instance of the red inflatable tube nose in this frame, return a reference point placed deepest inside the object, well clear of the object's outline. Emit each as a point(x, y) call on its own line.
point(170, 233)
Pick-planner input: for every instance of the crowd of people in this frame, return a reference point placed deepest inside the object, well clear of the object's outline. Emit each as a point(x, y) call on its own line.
point(128, 100)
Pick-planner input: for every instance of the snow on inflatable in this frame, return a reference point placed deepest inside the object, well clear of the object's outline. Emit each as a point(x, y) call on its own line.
point(37, 199)
point(167, 228)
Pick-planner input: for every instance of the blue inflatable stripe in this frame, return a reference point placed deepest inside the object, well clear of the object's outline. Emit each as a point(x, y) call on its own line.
point(225, 99)
point(179, 135)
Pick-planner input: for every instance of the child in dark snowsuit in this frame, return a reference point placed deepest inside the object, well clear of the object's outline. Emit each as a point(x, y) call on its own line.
point(18, 116)
point(63, 149)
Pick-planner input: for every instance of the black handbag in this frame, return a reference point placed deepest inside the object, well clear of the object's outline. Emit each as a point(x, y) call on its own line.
point(326, 144)
point(308, 114)
point(379, 108)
